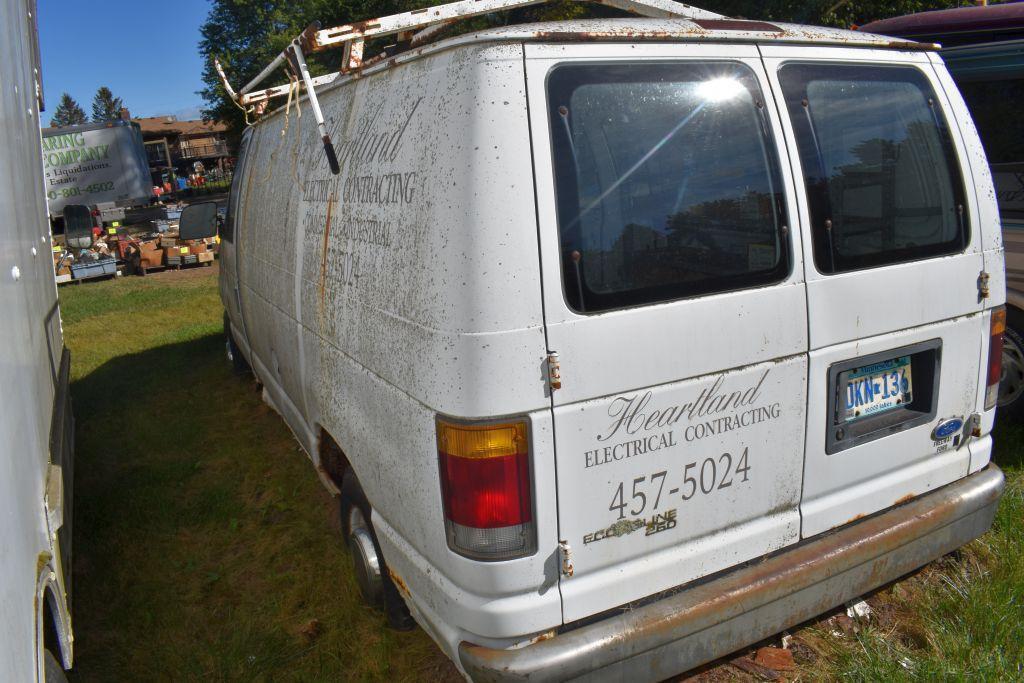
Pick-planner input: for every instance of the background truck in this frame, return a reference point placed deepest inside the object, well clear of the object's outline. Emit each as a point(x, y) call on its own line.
point(101, 165)
point(983, 48)
point(36, 427)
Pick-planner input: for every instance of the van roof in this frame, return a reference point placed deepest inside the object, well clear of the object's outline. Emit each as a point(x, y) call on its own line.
point(658, 21)
point(678, 29)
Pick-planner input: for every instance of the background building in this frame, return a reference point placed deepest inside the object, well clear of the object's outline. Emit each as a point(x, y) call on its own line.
point(174, 146)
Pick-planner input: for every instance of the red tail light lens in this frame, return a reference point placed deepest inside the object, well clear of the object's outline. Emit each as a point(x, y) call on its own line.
point(485, 483)
point(995, 356)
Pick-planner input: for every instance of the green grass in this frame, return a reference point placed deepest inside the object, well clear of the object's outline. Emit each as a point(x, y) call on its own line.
point(204, 543)
point(959, 619)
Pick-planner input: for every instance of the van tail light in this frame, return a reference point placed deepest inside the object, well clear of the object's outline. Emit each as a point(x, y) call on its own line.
point(995, 356)
point(485, 484)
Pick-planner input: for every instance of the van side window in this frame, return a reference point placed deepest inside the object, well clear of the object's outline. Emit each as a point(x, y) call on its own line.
point(667, 182)
point(227, 231)
point(882, 179)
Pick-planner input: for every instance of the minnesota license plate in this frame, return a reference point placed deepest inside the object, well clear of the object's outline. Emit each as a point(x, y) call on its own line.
point(877, 388)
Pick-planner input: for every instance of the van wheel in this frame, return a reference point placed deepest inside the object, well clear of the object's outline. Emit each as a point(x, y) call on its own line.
point(238, 362)
point(53, 672)
point(1011, 383)
point(371, 572)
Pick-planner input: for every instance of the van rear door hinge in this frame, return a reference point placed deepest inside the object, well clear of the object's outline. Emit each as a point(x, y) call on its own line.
point(554, 371)
point(983, 285)
point(565, 558)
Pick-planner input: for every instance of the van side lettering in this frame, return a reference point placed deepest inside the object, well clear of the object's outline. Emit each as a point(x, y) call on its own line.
point(380, 190)
point(370, 145)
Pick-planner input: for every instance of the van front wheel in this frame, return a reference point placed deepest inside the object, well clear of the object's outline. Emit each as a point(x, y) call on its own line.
point(375, 584)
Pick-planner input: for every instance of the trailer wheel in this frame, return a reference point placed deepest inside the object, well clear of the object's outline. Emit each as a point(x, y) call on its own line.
point(1011, 383)
point(53, 672)
point(371, 572)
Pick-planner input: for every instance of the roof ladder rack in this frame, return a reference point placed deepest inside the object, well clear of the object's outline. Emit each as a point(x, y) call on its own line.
point(416, 28)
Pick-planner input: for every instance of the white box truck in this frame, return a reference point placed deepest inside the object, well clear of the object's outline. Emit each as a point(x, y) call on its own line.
point(36, 426)
point(100, 165)
point(625, 342)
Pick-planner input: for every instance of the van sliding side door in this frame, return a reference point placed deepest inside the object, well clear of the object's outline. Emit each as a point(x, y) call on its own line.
point(893, 252)
point(674, 295)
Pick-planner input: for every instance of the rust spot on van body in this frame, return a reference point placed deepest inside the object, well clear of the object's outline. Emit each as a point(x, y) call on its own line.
point(905, 499)
point(913, 45)
point(323, 251)
point(399, 583)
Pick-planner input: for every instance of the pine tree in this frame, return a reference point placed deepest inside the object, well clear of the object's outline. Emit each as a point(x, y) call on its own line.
point(105, 106)
point(68, 113)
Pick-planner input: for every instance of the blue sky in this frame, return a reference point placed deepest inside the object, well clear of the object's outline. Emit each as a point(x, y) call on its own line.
point(146, 52)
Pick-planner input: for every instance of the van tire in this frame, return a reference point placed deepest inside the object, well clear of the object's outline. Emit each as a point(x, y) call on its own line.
point(354, 500)
point(53, 672)
point(234, 354)
point(1012, 407)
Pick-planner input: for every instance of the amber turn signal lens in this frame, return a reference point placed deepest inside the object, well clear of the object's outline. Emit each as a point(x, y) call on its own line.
point(481, 441)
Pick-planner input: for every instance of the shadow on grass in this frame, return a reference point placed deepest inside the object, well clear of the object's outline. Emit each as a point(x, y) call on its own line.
point(204, 544)
point(1008, 444)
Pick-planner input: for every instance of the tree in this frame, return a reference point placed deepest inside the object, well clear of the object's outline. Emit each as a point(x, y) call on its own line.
point(246, 34)
point(68, 113)
point(105, 106)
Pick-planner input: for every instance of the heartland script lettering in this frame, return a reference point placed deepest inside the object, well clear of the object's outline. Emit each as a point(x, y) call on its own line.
point(711, 412)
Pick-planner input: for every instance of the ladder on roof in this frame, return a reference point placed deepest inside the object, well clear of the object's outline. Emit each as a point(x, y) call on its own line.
point(413, 29)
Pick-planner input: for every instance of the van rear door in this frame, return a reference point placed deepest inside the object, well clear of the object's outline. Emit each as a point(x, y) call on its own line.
point(674, 296)
point(893, 254)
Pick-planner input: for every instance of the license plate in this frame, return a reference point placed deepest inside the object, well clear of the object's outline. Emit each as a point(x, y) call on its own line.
point(877, 388)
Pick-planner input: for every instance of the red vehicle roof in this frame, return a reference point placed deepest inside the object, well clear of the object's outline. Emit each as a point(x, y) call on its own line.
point(1003, 17)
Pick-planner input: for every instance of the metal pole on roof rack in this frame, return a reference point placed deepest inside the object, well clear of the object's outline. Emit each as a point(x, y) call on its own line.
point(224, 79)
point(429, 22)
point(278, 60)
point(300, 59)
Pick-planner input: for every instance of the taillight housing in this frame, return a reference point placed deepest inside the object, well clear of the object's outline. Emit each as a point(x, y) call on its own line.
point(995, 356)
point(486, 488)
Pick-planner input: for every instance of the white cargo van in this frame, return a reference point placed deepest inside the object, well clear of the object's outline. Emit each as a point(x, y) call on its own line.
point(626, 342)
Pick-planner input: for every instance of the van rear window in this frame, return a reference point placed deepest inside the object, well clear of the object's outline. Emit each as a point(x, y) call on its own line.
point(667, 182)
point(882, 179)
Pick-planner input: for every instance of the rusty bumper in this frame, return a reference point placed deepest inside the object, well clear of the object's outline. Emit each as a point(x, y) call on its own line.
point(743, 606)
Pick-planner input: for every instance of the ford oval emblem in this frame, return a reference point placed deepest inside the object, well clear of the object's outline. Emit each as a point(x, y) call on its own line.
point(947, 428)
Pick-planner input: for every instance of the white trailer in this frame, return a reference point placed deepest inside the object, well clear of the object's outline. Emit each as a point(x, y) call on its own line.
point(101, 165)
point(36, 427)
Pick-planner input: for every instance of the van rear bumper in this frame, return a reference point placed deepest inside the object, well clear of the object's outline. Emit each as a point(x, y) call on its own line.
point(699, 624)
